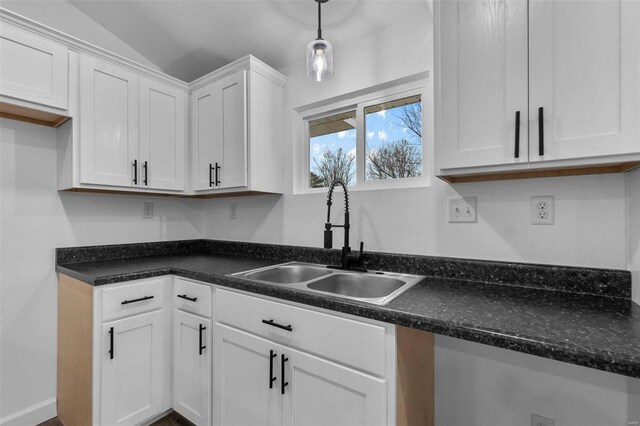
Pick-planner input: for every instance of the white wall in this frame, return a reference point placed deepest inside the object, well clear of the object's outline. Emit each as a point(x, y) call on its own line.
point(475, 384)
point(482, 385)
point(63, 16)
point(633, 187)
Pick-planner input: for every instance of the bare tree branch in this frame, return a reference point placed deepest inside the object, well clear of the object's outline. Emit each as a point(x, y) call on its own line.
point(331, 166)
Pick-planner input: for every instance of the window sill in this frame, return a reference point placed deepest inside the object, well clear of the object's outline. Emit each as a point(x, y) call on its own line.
point(381, 185)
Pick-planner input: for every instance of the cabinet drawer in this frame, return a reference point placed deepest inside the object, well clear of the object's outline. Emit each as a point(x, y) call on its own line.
point(346, 341)
point(132, 299)
point(190, 290)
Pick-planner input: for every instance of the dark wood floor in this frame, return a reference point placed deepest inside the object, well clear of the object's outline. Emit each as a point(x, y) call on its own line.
point(171, 419)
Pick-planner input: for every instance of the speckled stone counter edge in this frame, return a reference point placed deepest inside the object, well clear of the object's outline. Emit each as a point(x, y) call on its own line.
point(594, 281)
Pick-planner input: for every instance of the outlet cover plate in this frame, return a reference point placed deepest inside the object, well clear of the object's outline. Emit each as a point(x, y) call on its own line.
point(463, 210)
point(537, 420)
point(542, 210)
point(147, 211)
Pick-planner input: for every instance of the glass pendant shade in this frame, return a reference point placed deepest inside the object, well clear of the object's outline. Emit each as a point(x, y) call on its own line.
point(319, 60)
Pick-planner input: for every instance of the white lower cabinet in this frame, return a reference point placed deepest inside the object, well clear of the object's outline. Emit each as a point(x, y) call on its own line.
point(282, 377)
point(320, 392)
point(192, 348)
point(129, 352)
point(131, 369)
point(245, 393)
point(262, 383)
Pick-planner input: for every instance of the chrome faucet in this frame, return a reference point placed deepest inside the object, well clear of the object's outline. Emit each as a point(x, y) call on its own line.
point(348, 258)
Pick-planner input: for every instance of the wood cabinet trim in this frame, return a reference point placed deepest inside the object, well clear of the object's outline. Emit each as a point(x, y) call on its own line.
point(75, 366)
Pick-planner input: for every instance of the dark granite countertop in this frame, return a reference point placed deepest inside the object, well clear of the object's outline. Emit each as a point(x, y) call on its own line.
point(526, 316)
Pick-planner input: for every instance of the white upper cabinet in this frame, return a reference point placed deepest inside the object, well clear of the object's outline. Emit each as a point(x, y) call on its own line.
point(32, 68)
point(570, 68)
point(108, 124)
point(220, 133)
point(162, 135)
point(132, 129)
point(237, 128)
point(483, 82)
point(584, 78)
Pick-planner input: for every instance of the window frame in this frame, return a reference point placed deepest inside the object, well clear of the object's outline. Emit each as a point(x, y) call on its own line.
point(359, 103)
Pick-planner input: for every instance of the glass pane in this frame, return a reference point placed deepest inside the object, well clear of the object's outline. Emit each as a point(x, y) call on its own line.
point(332, 149)
point(394, 139)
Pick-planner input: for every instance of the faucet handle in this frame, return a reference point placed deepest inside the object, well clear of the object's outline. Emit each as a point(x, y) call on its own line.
point(361, 253)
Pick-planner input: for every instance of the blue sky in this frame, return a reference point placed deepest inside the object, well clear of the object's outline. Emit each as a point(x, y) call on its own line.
point(382, 127)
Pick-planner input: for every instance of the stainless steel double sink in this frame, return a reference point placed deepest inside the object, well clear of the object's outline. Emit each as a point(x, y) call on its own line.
point(372, 286)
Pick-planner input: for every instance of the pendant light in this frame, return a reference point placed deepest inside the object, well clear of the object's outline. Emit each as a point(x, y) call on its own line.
point(319, 54)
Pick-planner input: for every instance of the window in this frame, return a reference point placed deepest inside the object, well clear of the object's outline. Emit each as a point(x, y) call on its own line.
point(375, 143)
point(394, 139)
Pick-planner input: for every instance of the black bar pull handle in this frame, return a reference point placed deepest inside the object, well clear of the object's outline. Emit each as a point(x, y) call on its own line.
point(275, 324)
point(540, 131)
point(185, 297)
point(126, 302)
point(272, 355)
point(200, 347)
point(283, 382)
point(145, 166)
point(517, 147)
point(210, 174)
point(135, 172)
point(111, 343)
point(217, 175)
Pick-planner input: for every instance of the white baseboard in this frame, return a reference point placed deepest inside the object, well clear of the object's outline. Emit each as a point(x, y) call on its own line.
point(33, 415)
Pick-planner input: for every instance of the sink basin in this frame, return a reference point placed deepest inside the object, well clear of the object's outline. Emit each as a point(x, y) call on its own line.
point(372, 286)
point(288, 274)
point(361, 286)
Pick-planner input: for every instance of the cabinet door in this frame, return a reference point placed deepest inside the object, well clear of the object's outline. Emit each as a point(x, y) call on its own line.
point(192, 348)
point(108, 124)
point(162, 136)
point(131, 375)
point(32, 68)
point(232, 122)
point(204, 140)
point(243, 392)
point(323, 393)
point(584, 67)
point(481, 82)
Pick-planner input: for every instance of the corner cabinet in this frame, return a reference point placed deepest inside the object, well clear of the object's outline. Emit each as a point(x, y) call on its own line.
point(534, 89)
point(237, 130)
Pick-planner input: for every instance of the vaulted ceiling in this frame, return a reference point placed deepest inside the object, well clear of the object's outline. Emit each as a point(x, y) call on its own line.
point(189, 38)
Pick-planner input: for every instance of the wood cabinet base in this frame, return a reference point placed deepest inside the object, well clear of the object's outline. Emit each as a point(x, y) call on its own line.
point(414, 380)
point(551, 172)
point(75, 322)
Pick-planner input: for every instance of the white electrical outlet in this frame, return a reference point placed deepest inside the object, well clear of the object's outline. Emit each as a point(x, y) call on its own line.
point(542, 210)
point(147, 212)
point(232, 211)
point(537, 420)
point(463, 210)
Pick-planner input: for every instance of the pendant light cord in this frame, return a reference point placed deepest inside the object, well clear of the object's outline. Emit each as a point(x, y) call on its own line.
point(319, 20)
